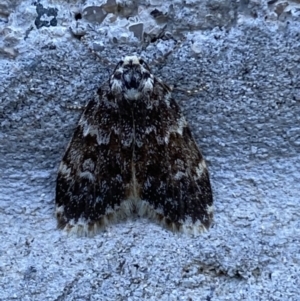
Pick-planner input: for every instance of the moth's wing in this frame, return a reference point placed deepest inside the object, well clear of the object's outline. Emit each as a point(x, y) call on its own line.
point(95, 170)
point(174, 178)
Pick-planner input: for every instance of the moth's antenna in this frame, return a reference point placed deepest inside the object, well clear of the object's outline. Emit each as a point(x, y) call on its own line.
point(74, 107)
point(202, 87)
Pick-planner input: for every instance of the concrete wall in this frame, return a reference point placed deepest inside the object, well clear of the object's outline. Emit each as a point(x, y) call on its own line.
point(244, 58)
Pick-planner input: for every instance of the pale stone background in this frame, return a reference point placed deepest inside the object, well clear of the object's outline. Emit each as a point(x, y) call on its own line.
point(245, 58)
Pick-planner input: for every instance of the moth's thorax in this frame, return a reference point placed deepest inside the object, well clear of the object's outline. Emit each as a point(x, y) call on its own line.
point(132, 78)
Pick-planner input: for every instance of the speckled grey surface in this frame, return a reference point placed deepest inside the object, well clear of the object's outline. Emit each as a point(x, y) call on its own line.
point(246, 118)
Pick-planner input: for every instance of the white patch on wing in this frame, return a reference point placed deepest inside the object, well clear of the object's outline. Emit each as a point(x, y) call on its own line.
point(150, 129)
point(64, 169)
point(167, 98)
point(88, 164)
point(116, 85)
point(200, 169)
point(148, 84)
point(179, 175)
point(87, 175)
point(181, 125)
point(89, 129)
point(177, 128)
point(210, 209)
point(59, 210)
point(188, 227)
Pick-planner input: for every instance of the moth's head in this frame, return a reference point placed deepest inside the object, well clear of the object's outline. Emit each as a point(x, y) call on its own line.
point(132, 77)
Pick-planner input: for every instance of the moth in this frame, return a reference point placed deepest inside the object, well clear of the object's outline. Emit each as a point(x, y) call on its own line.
point(133, 153)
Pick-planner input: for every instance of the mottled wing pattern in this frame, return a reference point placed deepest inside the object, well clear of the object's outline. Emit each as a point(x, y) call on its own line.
point(170, 167)
point(96, 169)
point(133, 152)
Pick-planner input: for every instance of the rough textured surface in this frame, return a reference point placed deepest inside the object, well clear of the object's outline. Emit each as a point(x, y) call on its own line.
point(244, 56)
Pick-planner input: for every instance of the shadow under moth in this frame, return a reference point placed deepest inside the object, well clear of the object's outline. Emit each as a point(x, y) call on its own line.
point(133, 153)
